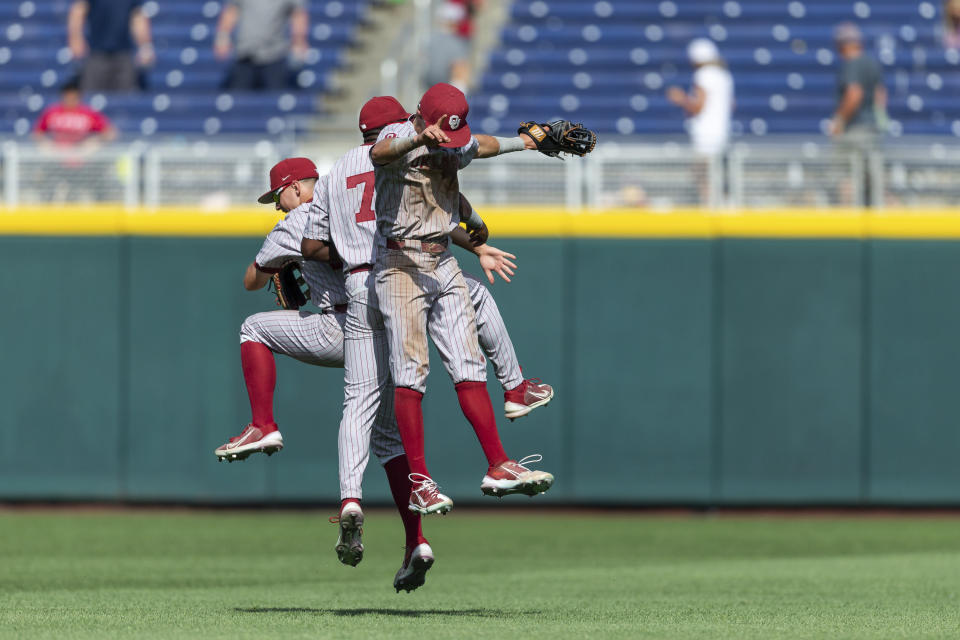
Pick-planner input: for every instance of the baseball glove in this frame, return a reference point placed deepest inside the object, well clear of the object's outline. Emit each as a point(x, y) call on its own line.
point(288, 286)
point(560, 136)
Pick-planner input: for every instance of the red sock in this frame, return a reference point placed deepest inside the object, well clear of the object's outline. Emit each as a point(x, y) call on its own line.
point(260, 374)
point(398, 472)
point(346, 501)
point(408, 405)
point(475, 403)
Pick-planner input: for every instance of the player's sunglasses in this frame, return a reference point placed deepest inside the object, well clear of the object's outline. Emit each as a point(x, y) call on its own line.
point(276, 194)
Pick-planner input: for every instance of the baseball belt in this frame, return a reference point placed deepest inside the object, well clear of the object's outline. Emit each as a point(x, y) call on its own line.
point(417, 245)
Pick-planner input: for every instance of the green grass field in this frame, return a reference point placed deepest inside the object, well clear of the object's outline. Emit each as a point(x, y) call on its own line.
point(499, 574)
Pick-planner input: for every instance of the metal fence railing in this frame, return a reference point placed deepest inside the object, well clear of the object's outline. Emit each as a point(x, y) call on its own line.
point(659, 176)
point(210, 176)
point(809, 176)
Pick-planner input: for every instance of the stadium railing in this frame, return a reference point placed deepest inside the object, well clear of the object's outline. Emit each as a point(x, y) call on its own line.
point(658, 176)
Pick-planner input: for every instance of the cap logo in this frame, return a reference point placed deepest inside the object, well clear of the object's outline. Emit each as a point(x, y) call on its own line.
point(454, 122)
point(284, 178)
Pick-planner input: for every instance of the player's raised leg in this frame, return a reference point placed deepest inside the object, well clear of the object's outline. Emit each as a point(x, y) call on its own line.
point(404, 295)
point(309, 337)
point(453, 329)
point(520, 396)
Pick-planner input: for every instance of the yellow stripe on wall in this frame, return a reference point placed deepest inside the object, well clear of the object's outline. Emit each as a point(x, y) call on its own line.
point(511, 222)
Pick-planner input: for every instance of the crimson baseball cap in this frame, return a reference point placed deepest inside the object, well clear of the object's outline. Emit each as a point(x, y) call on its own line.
point(380, 111)
point(286, 172)
point(445, 99)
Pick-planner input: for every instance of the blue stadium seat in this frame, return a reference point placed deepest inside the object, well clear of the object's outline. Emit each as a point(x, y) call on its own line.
point(608, 62)
point(183, 95)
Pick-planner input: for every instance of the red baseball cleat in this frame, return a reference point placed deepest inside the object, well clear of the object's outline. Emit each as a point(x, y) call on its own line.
point(526, 397)
point(416, 563)
point(513, 477)
point(251, 440)
point(425, 496)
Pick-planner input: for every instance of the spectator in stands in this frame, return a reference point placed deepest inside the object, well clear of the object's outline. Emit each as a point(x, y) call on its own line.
point(861, 95)
point(262, 45)
point(71, 132)
point(107, 50)
point(861, 99)
point(450, 44)
point(951, 24)
point(71, 123)
point(708, 105)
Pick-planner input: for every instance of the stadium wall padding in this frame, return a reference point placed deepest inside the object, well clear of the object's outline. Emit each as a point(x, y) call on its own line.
point(708, 371)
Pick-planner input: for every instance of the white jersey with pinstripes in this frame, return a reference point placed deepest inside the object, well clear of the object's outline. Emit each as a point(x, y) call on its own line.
point(351, 220)
point(417, 193)
point(282, 245)
point(349, 225)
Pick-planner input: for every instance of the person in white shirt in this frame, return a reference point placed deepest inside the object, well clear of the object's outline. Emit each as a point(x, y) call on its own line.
point(709, 105)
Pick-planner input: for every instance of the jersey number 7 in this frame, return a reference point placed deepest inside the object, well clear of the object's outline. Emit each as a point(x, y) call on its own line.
point(366, 182)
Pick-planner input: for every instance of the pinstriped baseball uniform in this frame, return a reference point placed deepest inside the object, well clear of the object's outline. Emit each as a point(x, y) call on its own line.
point(492, 333)
point(282, 245)
point(422, 291)
point(314, 338)
point(353, 234)
point(418, 193)
point(351, 227)
point(349, 223)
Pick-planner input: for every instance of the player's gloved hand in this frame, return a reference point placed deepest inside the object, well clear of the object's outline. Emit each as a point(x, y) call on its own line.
point(493, 260)
point(559, 136)
point(288, 287)
point(480, 235)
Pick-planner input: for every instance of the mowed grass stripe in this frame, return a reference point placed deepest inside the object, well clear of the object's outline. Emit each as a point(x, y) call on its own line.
point(529, 574)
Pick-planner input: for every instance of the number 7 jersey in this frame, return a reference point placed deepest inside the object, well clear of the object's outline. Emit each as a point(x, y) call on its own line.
point(350, 216)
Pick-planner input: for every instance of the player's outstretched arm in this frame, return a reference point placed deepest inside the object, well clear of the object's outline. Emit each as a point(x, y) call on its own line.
point(492, 260)
point(391, 149)
point(255, 279)
point(475, 225)
point(316, 250)
point(490, 146)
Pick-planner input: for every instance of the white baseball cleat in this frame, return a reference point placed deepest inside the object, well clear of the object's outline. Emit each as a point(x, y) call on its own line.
point(349, 545)
point(425, 496)
point(251, 440)
point(413, 571)
point(513, 477)
point(526, 397)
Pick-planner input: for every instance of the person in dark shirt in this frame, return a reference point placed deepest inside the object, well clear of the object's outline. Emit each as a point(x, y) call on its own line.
point(861, 96)
point(107, 48)
point(860, 116)
point(263, 42)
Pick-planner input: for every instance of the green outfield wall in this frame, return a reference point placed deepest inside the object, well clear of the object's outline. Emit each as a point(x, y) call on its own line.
point(716, 370)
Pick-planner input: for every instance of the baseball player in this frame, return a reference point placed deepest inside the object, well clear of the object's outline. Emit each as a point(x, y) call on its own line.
point(420, 288)
point(314, 338)
point(350, 226)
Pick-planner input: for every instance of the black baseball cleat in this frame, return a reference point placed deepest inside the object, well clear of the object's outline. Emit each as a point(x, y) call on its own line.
point(413, 572)
point(349, 545)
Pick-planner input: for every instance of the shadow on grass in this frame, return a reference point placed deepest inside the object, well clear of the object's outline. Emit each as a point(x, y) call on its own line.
point(403, 613)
